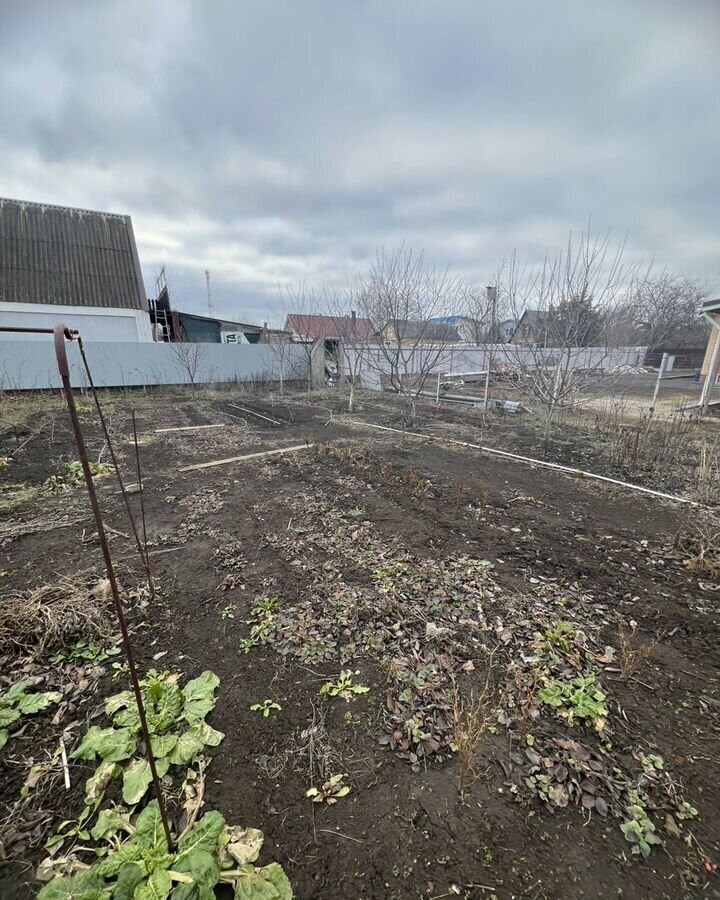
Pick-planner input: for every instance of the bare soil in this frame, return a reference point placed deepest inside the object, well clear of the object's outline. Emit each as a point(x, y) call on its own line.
point(309, 528)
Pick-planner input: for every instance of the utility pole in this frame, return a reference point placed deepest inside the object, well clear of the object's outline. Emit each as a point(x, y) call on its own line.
point(211, 308)
point(492, 302)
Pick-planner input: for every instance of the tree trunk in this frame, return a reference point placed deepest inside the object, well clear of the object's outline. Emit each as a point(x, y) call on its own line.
point(548, 424)
point(351, 401)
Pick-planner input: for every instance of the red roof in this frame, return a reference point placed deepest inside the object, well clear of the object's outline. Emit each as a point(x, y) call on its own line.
point(315, 327)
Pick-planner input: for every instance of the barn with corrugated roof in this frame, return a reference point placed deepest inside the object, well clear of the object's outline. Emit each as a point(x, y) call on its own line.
point(76, 266)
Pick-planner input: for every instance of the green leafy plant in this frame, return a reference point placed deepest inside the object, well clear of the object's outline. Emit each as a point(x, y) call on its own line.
point(344, 687)
point(577, 699)
point(264, 624)
point(143, 867)
point(560, 635)
point(227, 612)
point(639, 830)
point(84, 652)
point(265, 605)
point(686, 811)
point(333, 789)
point(72, 476)
point(17, 702)
point(651, 763)
point(266, 708)
point(176, 721)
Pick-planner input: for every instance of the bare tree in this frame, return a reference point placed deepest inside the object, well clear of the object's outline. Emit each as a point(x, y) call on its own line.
point(401, 296)
point(302, 301)
point(664, 308)
point(351, 336)
point(279, 343)
point(189, 358)
point(573, 301)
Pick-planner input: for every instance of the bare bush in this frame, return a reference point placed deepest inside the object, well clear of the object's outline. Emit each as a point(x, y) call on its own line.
point(189, 358)
point(472, 715)
point(699, 546)
point(631, 655)
point(44, 620)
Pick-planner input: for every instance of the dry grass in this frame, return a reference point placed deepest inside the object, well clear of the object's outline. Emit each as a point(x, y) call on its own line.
point(700, 548)
point(42, 621)
point(473, 714)
point(632, 657)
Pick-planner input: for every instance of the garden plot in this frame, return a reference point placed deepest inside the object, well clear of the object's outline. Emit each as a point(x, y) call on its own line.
point(417, 671)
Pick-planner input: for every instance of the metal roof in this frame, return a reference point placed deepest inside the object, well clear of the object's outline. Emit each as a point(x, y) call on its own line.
point(62, 255)
point(312, 327)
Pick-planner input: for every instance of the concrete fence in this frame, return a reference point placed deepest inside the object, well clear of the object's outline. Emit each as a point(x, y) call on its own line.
point(31, 365)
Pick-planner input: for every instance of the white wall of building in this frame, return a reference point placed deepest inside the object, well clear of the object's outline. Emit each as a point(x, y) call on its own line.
point(95, 323)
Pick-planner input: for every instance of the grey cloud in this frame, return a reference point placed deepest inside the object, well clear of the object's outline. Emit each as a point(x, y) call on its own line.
point(286, 141)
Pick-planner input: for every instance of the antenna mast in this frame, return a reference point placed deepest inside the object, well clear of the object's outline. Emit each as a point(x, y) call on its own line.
point(211, 308)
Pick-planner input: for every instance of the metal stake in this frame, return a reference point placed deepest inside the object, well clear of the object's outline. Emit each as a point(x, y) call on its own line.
point(103, 423)
point(61, 333)
point(140, 486)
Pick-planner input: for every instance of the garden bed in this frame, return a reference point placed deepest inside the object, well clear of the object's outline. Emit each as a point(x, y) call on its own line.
point(540, 663)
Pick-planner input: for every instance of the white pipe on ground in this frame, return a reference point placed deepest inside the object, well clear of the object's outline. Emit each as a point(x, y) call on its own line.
point(579, 473)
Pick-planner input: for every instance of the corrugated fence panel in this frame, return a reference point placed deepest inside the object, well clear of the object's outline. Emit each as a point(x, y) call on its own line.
point(31, 365)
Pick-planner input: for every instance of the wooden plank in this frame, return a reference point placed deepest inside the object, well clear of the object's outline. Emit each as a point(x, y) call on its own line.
point(232, 459)
point(188, 428)
point(253, 413)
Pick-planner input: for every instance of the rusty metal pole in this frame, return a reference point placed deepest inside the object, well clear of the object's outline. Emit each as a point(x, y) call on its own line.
point(143, 552)
point(141, 489)
point(61, 334)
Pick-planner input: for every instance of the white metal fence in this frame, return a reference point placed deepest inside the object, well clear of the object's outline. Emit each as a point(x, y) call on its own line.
point(456, 359)
point(28, 365)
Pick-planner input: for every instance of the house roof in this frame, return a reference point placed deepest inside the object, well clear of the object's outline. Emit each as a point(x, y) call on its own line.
point(410, 330)
point(314, 328)
point(711, 305)
point(450, 320)
point(68, 256)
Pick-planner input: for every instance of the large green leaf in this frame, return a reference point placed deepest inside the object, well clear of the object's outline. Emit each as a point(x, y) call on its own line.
point(204, 835)
point(100, 779)
point(163, 744)
point(29, 704)
point(129, 852)
point(199, 697)
point(193, 892)
point(268, 883)
point(88, 885)
point(128, 718)
point(186, 749)
point(149, 831)
point(13, 693)
point(110, 744)
point(203, 867)
point(202, 687)
point(118, 701)
point(157, 887)
point(137, 777)
point(4, 735)
point(129, 877)
point(8, 716)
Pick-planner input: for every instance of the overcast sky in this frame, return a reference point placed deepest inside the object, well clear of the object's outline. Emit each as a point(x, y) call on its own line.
point(275, 142)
